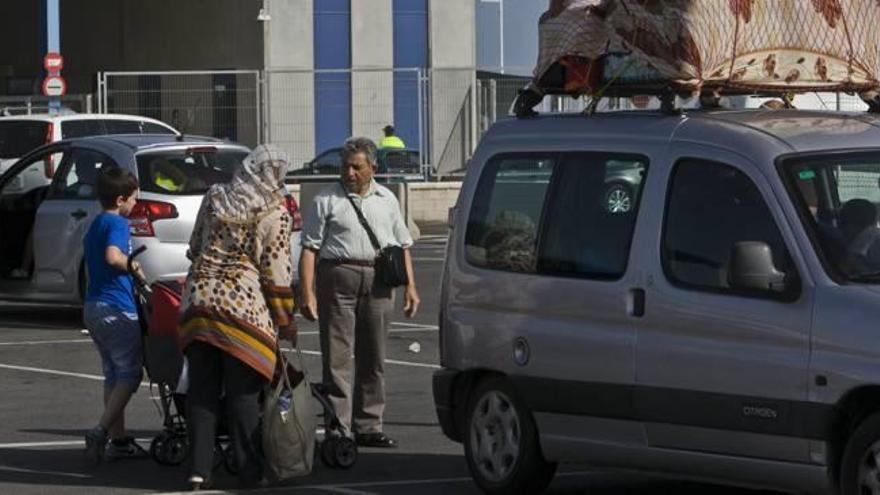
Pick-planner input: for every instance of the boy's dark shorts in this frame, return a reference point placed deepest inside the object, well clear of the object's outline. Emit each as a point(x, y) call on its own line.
point(117, 335)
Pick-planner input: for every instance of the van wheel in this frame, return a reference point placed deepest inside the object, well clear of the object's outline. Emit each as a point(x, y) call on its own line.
point(860, 469)
point(501, 443)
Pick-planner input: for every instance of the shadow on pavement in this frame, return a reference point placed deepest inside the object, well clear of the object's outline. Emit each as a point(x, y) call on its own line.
point(46, 469)
point(42, 317)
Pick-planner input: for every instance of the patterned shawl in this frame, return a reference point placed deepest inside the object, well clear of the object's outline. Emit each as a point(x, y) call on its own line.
point(256, 187)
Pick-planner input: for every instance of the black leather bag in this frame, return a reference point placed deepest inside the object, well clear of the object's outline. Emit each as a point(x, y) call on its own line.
point(390, 261)
point(391, 266)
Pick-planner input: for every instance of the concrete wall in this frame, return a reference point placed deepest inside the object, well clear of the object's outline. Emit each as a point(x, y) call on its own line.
point(290, 81)
point(372, 92)
point(427, 202)
point(430, 201)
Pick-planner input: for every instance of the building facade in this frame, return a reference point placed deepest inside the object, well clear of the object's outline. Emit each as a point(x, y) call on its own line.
point(304, 74)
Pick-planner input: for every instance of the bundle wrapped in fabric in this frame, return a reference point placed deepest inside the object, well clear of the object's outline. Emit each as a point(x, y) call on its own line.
point(590, 46)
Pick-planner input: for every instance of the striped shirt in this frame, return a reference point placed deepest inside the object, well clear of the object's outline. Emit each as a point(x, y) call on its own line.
point(331, 224)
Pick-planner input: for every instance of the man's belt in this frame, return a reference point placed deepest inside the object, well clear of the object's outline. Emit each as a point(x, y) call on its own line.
point(342, 261)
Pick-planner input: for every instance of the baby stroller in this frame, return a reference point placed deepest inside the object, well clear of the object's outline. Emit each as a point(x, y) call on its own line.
point(158, 307)
point(158, 311)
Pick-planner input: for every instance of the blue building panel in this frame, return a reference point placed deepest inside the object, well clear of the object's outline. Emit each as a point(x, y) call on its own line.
point(332, 109)
point(332, 33)
point(410, 51)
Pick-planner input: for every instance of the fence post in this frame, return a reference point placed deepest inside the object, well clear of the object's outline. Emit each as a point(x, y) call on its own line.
point(258, 86)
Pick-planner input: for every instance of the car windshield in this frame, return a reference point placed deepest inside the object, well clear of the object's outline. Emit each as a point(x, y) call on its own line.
point(187, 171)
point(18, 137)
point(839, 196)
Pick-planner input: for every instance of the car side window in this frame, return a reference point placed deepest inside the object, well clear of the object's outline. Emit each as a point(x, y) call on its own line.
point(591, 216)
point(710, 207)
point(502, 231)
point(79, 177)
point(36, 173)
point(151, 128)
point(81, 128)
point(114, 126)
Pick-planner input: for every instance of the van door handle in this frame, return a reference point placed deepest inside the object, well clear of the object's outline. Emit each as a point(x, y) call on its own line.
point(635, 303)
point(79, 214)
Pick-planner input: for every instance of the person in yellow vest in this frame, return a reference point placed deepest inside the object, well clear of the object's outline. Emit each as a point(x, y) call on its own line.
point(166, 176)
point(390, 140)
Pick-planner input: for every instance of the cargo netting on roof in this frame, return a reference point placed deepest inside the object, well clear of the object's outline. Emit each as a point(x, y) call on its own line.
point(590, 46)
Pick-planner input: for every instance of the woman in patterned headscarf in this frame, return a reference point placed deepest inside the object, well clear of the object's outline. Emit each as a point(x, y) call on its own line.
point(237, 300)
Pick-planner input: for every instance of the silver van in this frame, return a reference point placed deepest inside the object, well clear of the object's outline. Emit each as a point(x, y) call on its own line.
point(725, 327)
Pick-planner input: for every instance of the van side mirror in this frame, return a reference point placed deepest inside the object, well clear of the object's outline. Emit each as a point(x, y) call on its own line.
point(751, 268)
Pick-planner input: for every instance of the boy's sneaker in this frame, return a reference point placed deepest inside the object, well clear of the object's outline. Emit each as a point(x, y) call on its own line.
point(124, 448)
point(96, 440)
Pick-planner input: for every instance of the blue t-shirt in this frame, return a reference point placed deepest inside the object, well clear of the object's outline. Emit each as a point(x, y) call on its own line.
point(107, 284)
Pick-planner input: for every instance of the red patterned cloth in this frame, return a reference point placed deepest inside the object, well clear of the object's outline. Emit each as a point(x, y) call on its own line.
point(790, 45)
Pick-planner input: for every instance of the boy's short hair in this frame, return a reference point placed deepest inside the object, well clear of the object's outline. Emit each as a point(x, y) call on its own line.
point(114, 182)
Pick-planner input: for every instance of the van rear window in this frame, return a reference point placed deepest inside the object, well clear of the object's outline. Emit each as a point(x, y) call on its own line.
point(186, 172)
point(18, 137)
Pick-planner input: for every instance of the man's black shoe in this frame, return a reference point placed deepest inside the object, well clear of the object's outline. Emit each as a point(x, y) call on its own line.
point(378, 440)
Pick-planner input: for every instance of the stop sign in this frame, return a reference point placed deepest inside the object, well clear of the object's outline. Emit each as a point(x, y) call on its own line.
point(53, 62)
point(54, 86)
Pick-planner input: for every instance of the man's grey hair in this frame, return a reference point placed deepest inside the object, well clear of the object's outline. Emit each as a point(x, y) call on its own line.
point(360, 145)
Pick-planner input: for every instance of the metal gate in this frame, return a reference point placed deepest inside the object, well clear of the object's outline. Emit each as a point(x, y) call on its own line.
point(223, 104)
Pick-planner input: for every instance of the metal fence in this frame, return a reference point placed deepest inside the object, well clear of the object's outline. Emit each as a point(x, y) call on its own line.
point(223, 104)
point(442, 113)
point(31, 104)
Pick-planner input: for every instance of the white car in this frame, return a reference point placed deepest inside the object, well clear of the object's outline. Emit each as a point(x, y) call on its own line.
point(42, 228)
point(21, 134)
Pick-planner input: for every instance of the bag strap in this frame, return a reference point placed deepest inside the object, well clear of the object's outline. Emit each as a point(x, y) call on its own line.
point(373, 240)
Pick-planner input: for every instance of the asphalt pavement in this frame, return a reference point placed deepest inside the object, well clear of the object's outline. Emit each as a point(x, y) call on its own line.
point(51, 393)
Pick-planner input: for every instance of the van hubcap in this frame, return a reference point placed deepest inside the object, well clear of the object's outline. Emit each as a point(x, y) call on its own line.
point(618, 201)
point(495, 436)
point(869, 471)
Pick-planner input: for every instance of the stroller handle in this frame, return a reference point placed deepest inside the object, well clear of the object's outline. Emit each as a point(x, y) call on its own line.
point(140, 285)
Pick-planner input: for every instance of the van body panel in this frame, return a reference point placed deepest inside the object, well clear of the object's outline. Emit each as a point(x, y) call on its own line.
point(708, 385)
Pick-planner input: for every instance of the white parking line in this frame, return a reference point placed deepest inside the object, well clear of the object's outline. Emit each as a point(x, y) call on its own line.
point(414, 325)
point(57, 443)
point(58, 372)
point(389, 361)
point(44, 473)
point(408, 328)
point(40, 342)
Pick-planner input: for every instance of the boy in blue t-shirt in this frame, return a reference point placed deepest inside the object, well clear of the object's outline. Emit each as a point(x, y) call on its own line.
point(110, 313)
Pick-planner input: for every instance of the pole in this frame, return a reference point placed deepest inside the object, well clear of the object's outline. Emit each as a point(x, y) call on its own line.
point(53, 44)
point(501, 33)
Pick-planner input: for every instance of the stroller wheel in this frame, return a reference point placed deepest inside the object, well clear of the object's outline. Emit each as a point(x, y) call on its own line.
point(169, 449)
point(328, 452)
point(229, 460)
point(345, 452)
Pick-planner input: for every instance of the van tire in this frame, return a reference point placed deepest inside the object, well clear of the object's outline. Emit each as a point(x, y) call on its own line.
point(522, 469)
point(859, 459)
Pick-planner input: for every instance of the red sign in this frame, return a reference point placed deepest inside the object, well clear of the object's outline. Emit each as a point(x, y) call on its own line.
point(54, 86)
point(53, 62)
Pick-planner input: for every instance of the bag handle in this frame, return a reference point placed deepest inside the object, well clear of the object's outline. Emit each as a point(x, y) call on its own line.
point(282, 363)
point(363, 221)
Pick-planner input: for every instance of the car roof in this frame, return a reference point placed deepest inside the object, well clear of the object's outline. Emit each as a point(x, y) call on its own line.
point(44, 117)
point(752, 132)
point(122, 147)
